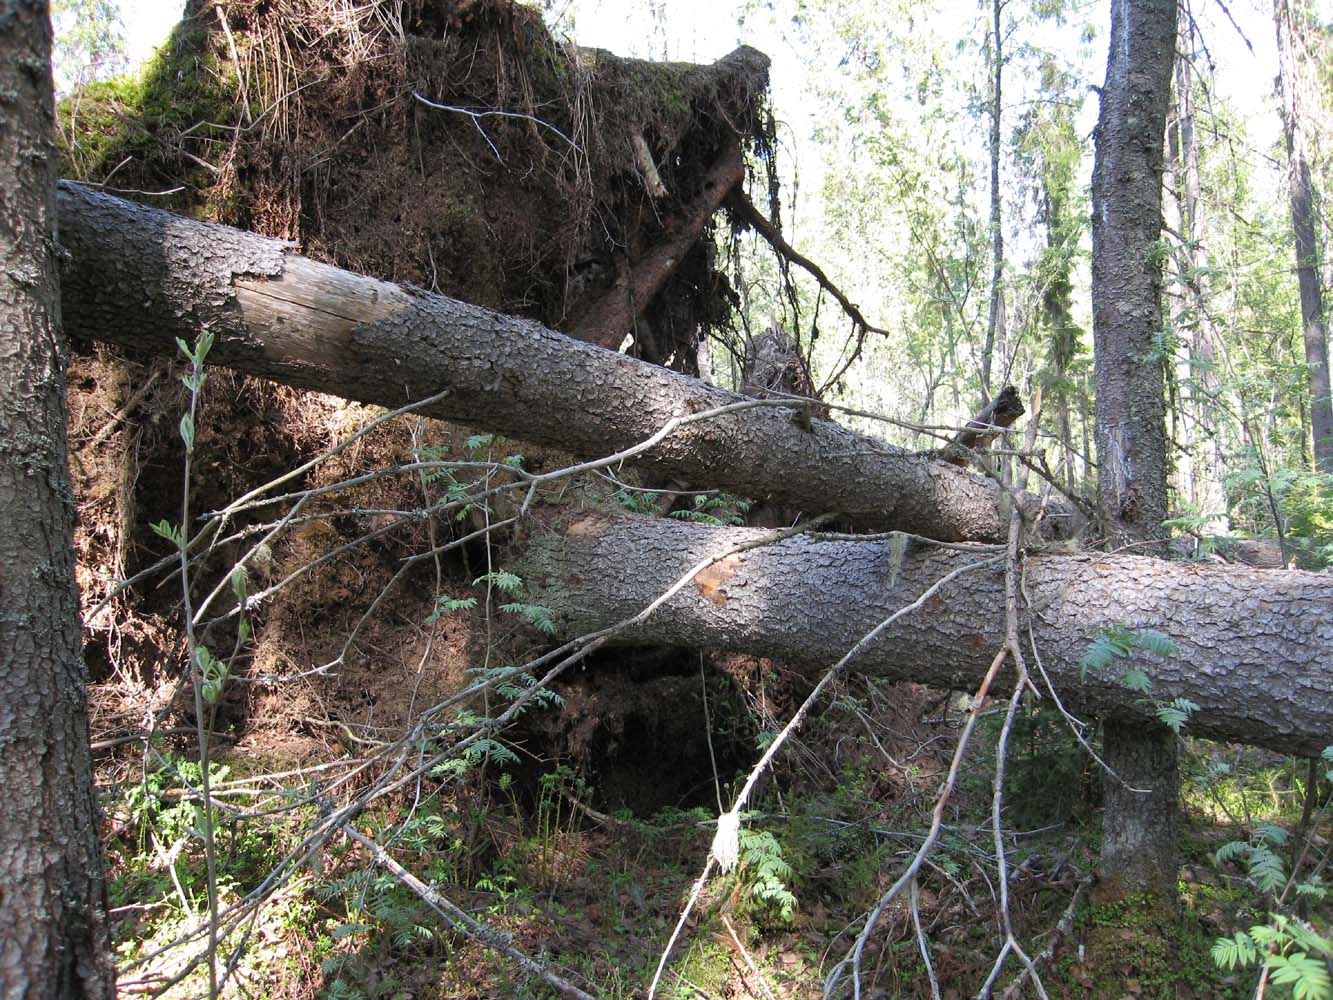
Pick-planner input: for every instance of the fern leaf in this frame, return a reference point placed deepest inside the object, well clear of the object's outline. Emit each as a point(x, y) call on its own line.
point(1157, 643)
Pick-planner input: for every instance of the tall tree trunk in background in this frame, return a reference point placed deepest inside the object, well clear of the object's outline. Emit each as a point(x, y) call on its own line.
point(1314, 326)
point(1201, 464)
point(53, 925)
point(1139, 825)
point(996, 318)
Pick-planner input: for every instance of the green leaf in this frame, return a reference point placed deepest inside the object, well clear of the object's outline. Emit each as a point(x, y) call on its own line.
point(1307, 977)
point(503, 579)
point(1267, 869)
point(1136, 680)
point(1174, 714)
point(187, 431)
point(1272, 833)
point(347, 930)
point(240, 582)
point(165, 529)
point(1227, 953)
point(534, 613)
point(1157, 643)
point(445, 605)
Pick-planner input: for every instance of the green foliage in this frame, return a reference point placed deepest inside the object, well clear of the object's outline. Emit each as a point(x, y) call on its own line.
point(165, 529)
point(1261, 860)
point(464, 482)
point(1295, 955)
point(1284, 499)
point(766, 873)
point(212, 670)
point(1308, 506)
point(514, 685)
point(163, 801)
point(720, 510)
point(506, 582)
point(501, 579)
point(446, 605)
point(1118, 641)
point(1046, 779)
point(639, 501)
point(1175, 713)
point(89, 41)
point(535, 614)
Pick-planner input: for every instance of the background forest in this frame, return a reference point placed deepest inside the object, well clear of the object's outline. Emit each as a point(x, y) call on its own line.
point(913, 236)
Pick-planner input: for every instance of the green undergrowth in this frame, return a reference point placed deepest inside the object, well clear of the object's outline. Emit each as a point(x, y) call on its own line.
point(524, 848)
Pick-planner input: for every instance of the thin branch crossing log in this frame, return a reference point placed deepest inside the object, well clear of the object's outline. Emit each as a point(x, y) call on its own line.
point(1253, 644)
point(140, 277)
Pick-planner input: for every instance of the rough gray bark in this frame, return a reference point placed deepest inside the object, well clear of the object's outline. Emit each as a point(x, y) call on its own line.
point(1126, 269)
point(1139, 835)
point(1253, 644)
point(1314, 325)
point(53, 925)
point(140, 277)
point(1128, 361)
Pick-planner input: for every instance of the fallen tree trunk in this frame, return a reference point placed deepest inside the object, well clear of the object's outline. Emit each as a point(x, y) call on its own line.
point(140, 277)
point(1253, 644)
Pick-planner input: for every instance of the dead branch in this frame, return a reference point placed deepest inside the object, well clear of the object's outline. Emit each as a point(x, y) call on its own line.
point(740, 203)
point(610, 318)
point(464, 923)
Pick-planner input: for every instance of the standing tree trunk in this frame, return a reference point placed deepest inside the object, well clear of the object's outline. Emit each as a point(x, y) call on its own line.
point(996, 317)
point(1139, 856)
point(1313, 323)
point(1200, 466)
point(1127, 271)
point(53, 927)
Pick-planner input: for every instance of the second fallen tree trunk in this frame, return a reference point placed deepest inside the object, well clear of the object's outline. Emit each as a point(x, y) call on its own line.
point(1252, 645)
point(140, 277)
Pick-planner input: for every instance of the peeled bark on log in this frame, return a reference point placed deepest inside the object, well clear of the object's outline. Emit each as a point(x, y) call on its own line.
point(1253, 644)
point(140, 277)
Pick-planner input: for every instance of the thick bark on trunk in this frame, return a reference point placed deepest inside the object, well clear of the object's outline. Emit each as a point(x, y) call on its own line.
point(1129, 361)
point(1253, 644)
point(1126, 269)
point(140, 277)
point(53, 925)
point(1314, 326)
point(1141, 817)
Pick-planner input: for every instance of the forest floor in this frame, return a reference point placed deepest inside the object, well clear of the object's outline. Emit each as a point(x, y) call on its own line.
point(580, 829)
